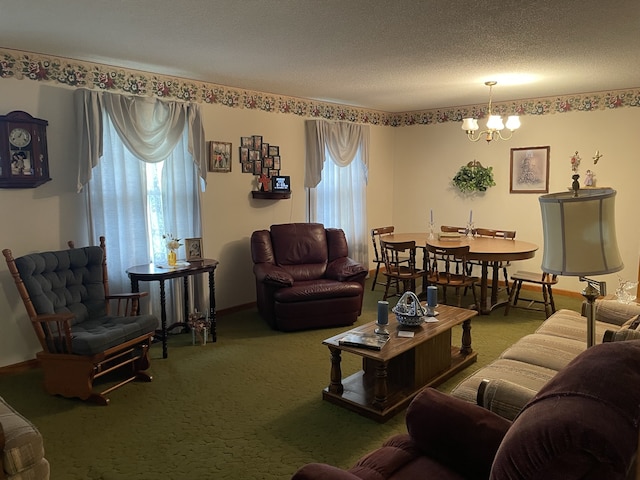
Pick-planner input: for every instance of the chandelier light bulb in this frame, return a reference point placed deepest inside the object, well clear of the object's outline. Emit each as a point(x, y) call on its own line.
point(494, 123)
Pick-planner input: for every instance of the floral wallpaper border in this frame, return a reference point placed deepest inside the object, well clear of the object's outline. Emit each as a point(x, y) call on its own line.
point(79, 74)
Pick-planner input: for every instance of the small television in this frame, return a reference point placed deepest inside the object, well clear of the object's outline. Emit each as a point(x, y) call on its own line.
point(281, 184)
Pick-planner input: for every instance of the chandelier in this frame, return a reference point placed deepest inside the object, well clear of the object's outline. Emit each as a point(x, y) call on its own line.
point(494, 124)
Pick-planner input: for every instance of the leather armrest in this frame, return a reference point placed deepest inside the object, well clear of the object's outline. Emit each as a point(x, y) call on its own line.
point(322, 471)
point(272, 275)
point(503, 397)
point(458, 434)
point(345, 269)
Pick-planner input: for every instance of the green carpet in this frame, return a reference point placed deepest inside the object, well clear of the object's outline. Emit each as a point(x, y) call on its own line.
point(246, 407)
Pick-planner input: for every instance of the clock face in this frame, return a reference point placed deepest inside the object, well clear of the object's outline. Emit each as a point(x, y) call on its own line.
point(19, 137)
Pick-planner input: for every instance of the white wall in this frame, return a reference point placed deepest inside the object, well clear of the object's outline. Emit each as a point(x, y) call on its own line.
point(46, 217)
point(410, 172)
point(427, 158)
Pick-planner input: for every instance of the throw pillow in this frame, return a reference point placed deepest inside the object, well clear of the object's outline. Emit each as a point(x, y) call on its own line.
point(631, 324)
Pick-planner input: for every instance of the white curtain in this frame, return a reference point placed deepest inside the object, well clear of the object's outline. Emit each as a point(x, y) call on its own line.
point(337, 165)
point(141, 181)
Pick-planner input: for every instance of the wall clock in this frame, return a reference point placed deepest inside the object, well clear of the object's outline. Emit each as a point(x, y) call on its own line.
point(24, 161)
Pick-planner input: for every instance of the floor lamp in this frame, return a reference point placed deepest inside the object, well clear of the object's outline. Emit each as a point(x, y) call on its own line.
point(580, 239)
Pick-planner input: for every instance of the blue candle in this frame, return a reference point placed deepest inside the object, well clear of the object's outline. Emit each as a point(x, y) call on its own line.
point(383, 312)
point(470, 216)
point(432, 295)
point(431, 216)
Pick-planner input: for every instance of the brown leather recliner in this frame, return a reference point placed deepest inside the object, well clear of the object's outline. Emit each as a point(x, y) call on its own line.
point(304, 277)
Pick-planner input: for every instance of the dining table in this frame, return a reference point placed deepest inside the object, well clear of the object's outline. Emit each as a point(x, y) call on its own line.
point(484, 250)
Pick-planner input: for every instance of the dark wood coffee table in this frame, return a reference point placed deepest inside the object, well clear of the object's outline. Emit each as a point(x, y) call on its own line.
point(391, 377)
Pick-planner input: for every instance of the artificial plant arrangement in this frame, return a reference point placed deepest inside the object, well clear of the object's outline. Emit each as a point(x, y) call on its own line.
point(473, 177)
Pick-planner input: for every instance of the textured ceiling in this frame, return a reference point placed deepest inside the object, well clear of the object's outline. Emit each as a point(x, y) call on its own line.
point(389, 55)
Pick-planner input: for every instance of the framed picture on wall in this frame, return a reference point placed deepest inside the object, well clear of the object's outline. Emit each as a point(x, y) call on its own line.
point(529, 170)
point(219, 156)
point(193, 246)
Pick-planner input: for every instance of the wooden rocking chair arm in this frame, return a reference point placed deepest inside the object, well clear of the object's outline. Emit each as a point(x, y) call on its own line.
point(55, 339)
point(53, 317)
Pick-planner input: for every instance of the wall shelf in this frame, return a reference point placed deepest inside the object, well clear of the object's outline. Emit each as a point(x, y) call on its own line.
point(270, 195)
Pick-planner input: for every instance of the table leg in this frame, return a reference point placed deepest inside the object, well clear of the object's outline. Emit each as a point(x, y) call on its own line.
point(484, 285)
point(494, 283)
point(212, 305)
point(465, 347)
point(380, 389)
point(163, 318)
point(135, 288)
point(185, 284)
point(335, 380)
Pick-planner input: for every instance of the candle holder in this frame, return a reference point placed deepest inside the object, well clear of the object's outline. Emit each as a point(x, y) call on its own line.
point(470, 230)
point(381, 329)
point(432, 230)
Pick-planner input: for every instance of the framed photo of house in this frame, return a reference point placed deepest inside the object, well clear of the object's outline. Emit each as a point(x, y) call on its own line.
point(193, 246)
point(219, 156)
point(529, 170)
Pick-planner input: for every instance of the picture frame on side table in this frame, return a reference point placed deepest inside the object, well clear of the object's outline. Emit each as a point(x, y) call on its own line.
point(529, 170)
point(219, 156)
point(193, 247)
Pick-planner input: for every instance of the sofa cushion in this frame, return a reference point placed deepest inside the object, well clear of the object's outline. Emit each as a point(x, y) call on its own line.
point(570, 324)
point(545, 350)
point(504, 398)
point(24, 449)
point(530, 376)
point(615, 312)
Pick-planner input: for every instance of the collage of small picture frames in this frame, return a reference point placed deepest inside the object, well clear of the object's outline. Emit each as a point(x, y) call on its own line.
point(258, 157)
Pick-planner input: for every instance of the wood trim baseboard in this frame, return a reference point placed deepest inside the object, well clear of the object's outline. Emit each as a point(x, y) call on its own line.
point(19, 367)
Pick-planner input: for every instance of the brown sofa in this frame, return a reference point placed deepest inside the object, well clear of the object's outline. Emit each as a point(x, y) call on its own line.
point(305, 278)
point(583, 424)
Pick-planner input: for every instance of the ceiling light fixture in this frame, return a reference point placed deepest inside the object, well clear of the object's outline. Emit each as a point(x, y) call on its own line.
point(494, 124)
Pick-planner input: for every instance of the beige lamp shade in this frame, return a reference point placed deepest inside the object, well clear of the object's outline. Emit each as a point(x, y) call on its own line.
point(580, 233)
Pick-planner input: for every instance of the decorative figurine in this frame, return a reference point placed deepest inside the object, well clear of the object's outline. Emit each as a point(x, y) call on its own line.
point(264, 183)
point(597, 157)
point(575, 162)
point(575, 185)
point(589, 181)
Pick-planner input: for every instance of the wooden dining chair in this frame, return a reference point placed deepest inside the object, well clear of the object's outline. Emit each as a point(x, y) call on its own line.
point(376, 233)
point(499, 265)
point(452, 229)
point(544, 280)
point(445, 277)
point(398, 271)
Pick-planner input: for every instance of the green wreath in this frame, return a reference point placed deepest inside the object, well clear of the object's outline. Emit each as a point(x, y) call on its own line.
point(473, 177)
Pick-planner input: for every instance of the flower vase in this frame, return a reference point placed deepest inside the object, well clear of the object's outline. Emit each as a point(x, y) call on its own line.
point(172, 258)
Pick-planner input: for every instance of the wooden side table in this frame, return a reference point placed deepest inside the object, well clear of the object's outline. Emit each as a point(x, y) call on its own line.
point(150, 272)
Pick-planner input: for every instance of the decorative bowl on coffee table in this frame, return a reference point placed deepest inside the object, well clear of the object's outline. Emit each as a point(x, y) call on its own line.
point(409, 311)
